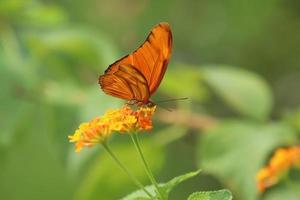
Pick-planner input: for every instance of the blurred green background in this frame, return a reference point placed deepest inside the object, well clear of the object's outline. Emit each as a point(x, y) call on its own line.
point(237, 61)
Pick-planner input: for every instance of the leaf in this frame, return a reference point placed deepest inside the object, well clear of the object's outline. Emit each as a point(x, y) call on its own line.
point(165, 188)
point(293, 119)
point(234, 151)
point(191, 84)
point(141, 195)
point(14, 105)
point(32, 162)
point(75, 53)
point(10, 8)
point(90, 100)
point(290, 192)
point(211, 195)
point(175, 181)
point(96, 102)
point(243, 91)
point(44, 16)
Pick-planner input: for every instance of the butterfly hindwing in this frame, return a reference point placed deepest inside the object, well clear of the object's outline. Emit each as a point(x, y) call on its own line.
point(125, 82)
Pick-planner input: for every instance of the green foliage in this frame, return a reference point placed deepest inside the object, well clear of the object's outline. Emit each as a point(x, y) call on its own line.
point(245, 92)
point(211, 195)
point(288, 190)
point(165, 188)
point(52, 52)
point(191, 83)
point(235, 149)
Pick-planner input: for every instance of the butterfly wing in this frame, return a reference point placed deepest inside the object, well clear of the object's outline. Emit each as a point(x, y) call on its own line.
point(125, 82)
point(152, 57)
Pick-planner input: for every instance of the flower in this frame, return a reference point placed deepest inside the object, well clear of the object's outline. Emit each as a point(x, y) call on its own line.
point(144, 118)
point(280, 163)
point(90, 133)
point(124, 120)
point(265, 178)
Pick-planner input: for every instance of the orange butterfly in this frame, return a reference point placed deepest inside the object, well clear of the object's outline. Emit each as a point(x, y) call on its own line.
point(136, 76)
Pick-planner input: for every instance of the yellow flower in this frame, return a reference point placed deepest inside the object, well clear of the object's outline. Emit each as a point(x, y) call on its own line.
point(90, 133)
point(280, 163)
point(144, 117)
point(124, 120)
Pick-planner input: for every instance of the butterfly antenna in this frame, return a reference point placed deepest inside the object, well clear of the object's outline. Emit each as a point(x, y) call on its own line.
point(176, 99)
point(168, 109)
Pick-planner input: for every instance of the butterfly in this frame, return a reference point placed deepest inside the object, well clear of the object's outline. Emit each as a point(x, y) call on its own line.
point(136, 76)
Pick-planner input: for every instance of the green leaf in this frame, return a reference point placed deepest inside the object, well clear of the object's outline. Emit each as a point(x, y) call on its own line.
point(191, 83)
point(30, 155)
point(11, 8)
point(14, 106)
point(234, 151)
point(72, 53)
point(211, 195)
point(44, 16)
point(283, 191)
point(245, 92)
point(96, 103)
point(164, 187)
point(292, 117)
point(175, 181)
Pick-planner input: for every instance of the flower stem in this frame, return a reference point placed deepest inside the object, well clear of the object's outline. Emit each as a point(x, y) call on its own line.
point(133, 178)
point(136, 142)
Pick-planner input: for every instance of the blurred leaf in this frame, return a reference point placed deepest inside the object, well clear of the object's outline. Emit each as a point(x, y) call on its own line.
point(244, 91)
point(91, 101)
point(14, 106)
point(43, 15)
point(106, 180)
point(235, 150)
point(288, 187)
point(32, 13)
point(97, 102)
point(64, 93)
point(10, 8)
point(293, 119)
point(184, 81)
point(288, 190)
point(31, 166)
point(73, 53)
point(167, 135)
point(211, 195)
point(165, 188)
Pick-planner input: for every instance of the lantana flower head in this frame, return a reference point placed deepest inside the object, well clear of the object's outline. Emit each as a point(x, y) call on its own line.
point(124, 120)
point(280, 163)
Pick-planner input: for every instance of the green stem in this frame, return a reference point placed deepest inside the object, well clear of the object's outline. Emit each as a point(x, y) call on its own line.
point(133, 178)
point(135, 140)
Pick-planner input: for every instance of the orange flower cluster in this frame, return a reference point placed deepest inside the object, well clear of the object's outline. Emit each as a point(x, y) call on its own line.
point(124, 120)
point(282, 160)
